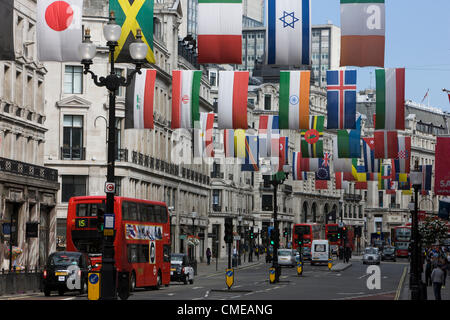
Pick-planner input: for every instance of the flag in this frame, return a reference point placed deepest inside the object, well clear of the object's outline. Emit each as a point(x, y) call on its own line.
point(362, 33)
point(228, 143)
point(386, 144)
point(311, 143)
point(185, 98)
point(239, 144)
point(424, 97)
point(341, 99)
point(349, 145)
point(390, 104)
point(403, 159)
point(340, 165)
point(323, 173)
point(339, 181)
point(251, 162)
point(321, 184)
point(404, 182)
point(385, 177)
point(297, 171)
point(283, 152)
point(232, 103)
point(59, 30)
point(427, 172)
point(139, 100)
point(442, 172)
point(371, 164)
point(219, 32)
point(294, 99)
point(288, 35)
point(7, 27)
point(203, 136)
point(268, 134)
point(132, 15)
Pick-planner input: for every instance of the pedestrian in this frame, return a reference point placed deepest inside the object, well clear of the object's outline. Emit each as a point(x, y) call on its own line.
point(428, 272)
point(208, 256)
point(437, 278)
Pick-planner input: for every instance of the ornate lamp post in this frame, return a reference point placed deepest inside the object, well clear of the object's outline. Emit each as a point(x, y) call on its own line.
point(112, 82)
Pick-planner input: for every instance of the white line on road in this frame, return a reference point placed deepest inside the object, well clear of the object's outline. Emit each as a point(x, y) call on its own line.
point(350, 293)
point(194, 288)
point(207, 294)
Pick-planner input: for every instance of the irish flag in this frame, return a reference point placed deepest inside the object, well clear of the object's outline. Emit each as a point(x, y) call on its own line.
point(232, 102)
point(390, 105)
point(185, 98)
point(139, 101)
point(219, 31)
point(362, 33)
point(294, 99)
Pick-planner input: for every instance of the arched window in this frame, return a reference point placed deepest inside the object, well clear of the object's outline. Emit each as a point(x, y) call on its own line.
point(305, 211)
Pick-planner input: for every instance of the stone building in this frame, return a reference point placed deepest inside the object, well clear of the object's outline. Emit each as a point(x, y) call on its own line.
point(27, 189)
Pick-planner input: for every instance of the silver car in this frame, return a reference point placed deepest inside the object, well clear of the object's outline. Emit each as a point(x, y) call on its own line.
point(371, 256)
point(286, 257)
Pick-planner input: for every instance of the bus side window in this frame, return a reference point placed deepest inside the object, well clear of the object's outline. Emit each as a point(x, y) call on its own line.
point(145, 212)
point(125, 210)
point(166, 253)
point(81, 209)
point(132, 211)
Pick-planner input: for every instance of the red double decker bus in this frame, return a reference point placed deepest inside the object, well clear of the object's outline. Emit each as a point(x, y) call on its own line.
point(142, 236)
point(331, 234)
point(310, 231)
point(402, 238)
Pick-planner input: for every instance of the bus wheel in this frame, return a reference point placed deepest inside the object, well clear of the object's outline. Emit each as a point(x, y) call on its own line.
point(133, 282)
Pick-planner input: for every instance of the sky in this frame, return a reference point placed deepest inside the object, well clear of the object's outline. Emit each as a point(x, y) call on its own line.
point(417, 39)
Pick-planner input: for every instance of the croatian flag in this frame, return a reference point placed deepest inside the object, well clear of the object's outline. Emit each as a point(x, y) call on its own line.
point(341, 99)
point(288, 35)
point(403, 160)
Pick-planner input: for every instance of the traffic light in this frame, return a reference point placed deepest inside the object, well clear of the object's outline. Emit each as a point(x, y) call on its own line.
point(100, 220)
point(344, 232)
point(252, 235)
point(300, 239)
point(285, 232)
point(228, 230)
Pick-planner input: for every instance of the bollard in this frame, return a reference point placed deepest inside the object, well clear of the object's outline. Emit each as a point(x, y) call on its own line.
point(299, 268)
point(94, 285)
point(229, 278)
point(330, 263)
point(272, 275)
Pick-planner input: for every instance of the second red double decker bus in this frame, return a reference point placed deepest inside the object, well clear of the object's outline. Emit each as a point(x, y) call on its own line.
point(142, 236)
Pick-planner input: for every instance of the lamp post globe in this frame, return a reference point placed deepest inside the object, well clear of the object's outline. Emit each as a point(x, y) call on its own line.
point(138, 49)
point(87, 49)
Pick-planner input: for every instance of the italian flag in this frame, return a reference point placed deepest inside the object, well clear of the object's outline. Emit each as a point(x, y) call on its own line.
point(232, 102)
point(139, 101)
point(219, 33)
point(294, 99)
point(390, 105)
point(362, 33)
point(185, 98)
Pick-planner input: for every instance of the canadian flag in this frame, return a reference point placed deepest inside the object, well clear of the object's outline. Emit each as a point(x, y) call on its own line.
point(59, 31)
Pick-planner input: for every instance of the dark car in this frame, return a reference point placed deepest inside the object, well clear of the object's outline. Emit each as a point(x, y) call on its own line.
point(65, 271)
point(388, 253)
point(180, 269)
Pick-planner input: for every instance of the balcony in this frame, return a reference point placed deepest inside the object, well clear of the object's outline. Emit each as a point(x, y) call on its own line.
point(352, 197)
point(217, 208)
point(73, 153)
point(28, 169)
point(121, 155)
point(188, 54)
point(217, 175)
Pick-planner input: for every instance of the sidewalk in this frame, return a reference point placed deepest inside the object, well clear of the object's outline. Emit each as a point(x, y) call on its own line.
point(406, 292)
point(203, 269)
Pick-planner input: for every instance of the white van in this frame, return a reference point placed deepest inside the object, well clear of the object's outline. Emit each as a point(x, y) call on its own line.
point(320, 251)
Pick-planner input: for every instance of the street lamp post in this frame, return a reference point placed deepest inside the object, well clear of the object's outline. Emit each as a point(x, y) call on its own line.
point(194, 261)
point(87, 50)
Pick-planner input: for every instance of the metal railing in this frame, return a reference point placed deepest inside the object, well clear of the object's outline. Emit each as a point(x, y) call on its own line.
point(28, 169)
point(22, 281)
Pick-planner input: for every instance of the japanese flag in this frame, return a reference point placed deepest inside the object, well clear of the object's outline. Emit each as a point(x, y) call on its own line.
point(59, 31)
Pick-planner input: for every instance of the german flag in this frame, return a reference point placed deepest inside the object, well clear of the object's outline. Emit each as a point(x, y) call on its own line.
point(132, 15)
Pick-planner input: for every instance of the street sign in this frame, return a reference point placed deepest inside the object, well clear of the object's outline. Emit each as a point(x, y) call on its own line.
point(109, 221)
point(93, 285)
point(229, 277)
point(110, 187)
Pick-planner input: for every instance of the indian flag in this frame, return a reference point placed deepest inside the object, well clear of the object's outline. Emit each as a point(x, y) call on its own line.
point(294, 99)
point(362, 33)
point(139, 101)
point(185, 98)
point(232, 102)
point(220, 31)
point(390, 104)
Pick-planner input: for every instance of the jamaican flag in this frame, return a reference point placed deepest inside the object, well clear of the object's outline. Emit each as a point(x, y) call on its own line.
point(311, 144)
point(132, 15)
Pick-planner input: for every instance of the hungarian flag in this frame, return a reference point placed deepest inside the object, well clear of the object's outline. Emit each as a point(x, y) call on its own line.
point(386, 144)
point(251, 161)
point(59, 30)
point(288, 36)
point(340, 183)
point(341, 99)
point(403, 160)
point(185, 98)
point(139, 100)
point(203, 136)
point(390, 104)
point(294, 99)
point(269, 135)
point(219, 32)
point(232, 101)
point(7, 27)
point(228, 143)
point(348, 141)
point(297, 171)
point(311, 144)
point(132, 15)
point(362, 33)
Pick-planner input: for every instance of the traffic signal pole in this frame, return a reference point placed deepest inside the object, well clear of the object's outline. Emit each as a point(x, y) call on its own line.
point(276, 234)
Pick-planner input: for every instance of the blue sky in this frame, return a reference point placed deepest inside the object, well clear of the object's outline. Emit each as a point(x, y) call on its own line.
point(417, 38)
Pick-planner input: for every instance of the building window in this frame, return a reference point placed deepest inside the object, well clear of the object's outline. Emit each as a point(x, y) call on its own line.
point(380, 199)
point(73, 138)
point(212, 79)
point(73, 79)
point(72, 186)
point(267, 203)
point(267, 102)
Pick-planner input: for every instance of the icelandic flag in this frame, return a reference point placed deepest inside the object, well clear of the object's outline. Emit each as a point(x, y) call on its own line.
point(251, 161)
point(288, 36)
point(341, 99)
